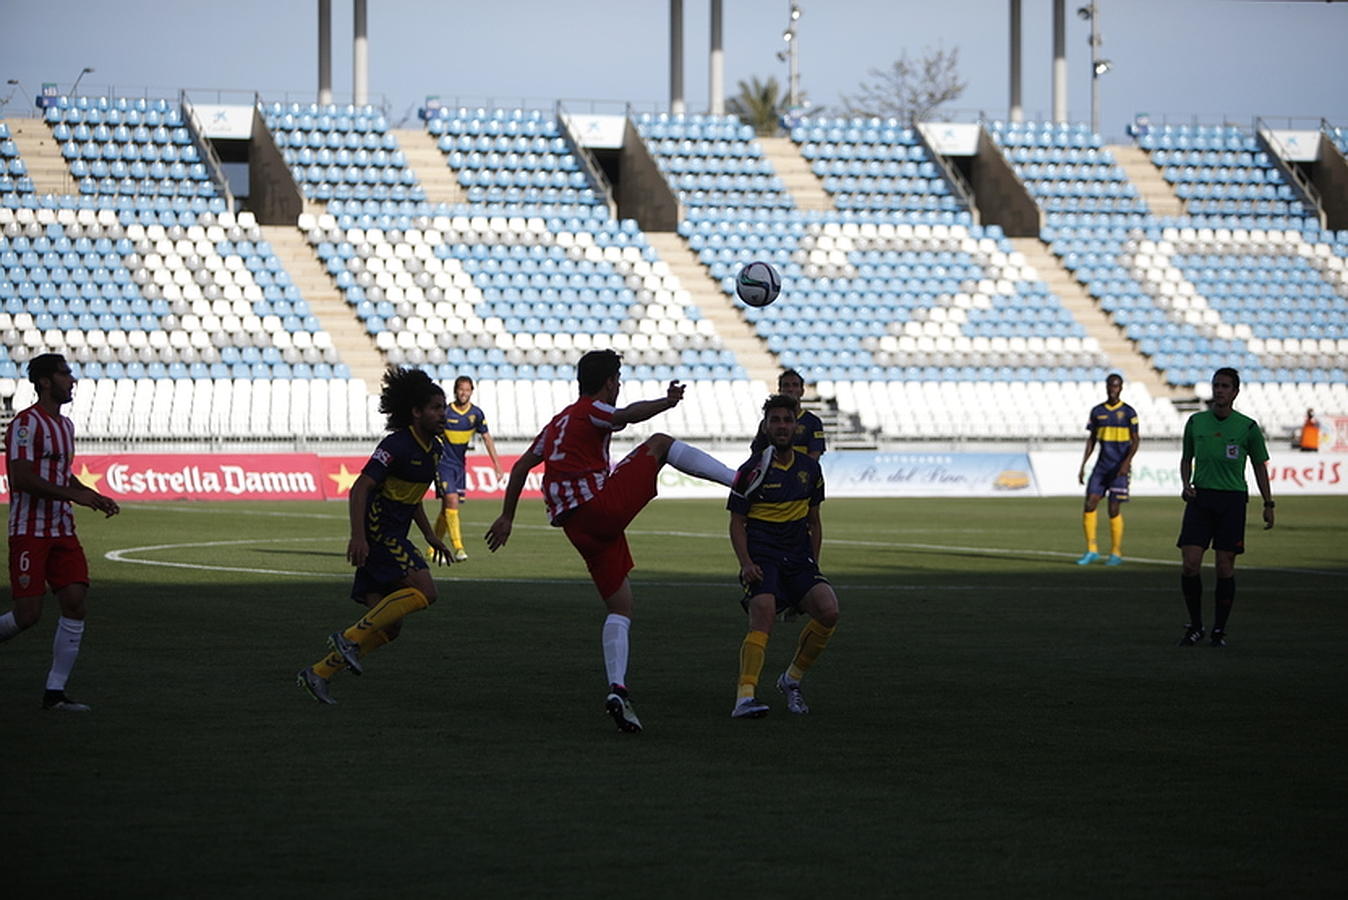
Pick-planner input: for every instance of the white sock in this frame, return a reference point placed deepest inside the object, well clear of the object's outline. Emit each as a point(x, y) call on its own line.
point(692, 461)
point(65, 649)
point(8, 626)
point(615, 647)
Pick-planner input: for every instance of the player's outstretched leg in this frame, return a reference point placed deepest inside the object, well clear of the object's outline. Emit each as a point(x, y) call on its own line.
point(692, 461)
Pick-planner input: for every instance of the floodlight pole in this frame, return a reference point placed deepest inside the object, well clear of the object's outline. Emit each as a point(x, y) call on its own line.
point(1095, 65)
point(1017, 111)
point(716, 61)
point(792, 38)
point(360, 55)
point(80, 77)
point(676, 102)
point(324, 52)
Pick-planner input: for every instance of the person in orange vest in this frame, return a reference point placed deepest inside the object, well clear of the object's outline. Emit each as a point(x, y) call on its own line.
point(1310, 434)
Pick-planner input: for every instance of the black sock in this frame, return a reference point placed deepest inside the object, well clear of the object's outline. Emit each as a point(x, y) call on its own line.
point(1226, 597)
point(1192, 587)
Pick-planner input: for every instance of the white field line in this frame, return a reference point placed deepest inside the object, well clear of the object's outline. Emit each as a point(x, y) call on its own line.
point(122, 556)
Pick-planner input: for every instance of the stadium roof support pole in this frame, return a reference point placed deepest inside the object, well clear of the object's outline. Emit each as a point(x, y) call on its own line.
point(676, 104)
point(1059, 60)
point(360, 57)
point(324, 52)
point(716, 77)
point(1017, 112)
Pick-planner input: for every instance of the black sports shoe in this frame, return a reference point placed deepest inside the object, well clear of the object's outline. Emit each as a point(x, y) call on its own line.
point(1218, 638)
point(59, 701)
point(1192, 635)
point(620, 708)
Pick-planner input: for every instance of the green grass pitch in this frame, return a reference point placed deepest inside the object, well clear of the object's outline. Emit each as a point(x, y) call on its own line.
point(989, 718)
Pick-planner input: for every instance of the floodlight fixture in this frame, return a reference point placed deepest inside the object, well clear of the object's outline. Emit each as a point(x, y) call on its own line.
point(87, 70)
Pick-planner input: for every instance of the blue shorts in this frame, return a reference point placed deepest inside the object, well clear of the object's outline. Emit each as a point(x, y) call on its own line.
point(788, 580)
point(1107, 483)
point(389, 562)
point(451, 478)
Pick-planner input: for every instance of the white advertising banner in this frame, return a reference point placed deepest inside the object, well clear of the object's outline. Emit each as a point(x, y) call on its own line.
point(598, 131)
point(1297, 146)
point(1156, 473)
point(864, 473)
point(225, 122)
point(951, 138)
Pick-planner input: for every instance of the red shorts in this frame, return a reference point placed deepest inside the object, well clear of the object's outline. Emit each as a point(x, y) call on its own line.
point(37, 562)
point(596, 528)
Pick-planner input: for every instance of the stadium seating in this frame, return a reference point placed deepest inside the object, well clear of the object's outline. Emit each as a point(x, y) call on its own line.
point(873, 164)
point(511, 156)
point(341, 152)
point(124, 299)
point(1220, 171)
point(131, 147)
point(182, 323)
point(13, 172)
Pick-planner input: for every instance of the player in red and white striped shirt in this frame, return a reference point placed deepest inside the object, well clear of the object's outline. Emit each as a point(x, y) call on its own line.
point(594, 505)
point(43, 548)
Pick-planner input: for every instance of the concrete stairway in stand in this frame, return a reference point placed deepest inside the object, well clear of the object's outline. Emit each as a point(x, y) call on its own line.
point(428, 164)
point(736, 334)
point(354, 346)
point(802, 184)
point(42, 156)
point(1122, 355)
point(1155, 190)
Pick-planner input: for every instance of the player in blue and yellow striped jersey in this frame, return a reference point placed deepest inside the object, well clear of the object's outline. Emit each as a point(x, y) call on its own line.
point(1113, 426)
point(809, 436)
point(462, 421)
point(776, 532)
point(391, 575)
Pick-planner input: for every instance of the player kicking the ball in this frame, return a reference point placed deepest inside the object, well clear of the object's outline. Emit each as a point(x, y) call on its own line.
point(594, 505)
point(776, 533)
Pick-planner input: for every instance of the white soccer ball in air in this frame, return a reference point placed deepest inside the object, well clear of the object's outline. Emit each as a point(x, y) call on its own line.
point(758, 284)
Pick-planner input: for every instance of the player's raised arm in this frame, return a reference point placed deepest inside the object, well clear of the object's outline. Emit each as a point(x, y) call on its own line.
point(499, 531)
point(645, 409)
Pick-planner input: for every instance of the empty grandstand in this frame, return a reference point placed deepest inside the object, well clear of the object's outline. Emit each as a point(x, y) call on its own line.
point(910, 291)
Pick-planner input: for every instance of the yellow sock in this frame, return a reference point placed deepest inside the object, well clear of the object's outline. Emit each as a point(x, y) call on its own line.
point(373, 640)
point(1116, 535)
point(1088, 526)
point(455, 534)
point(752, 652)
point(441, 526)
point(812, 641)
point(370, 640)
point(329, 665)
point(388, 611)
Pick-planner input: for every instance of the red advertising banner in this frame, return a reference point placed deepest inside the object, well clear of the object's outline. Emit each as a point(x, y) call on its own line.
point(244, 476)
point(340, 472)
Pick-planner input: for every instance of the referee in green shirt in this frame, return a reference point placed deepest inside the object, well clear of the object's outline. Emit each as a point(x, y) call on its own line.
point(1212, 469)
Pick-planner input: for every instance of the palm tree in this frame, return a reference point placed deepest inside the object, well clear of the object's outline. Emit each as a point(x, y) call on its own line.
point(760, 104)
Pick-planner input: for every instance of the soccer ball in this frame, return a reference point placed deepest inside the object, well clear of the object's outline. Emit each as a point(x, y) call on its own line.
point(758, 284)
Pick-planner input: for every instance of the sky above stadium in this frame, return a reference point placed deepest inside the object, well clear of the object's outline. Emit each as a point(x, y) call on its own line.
point(1181, 60)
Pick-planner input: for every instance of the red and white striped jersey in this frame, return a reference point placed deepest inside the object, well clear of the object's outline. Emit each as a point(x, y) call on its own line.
point(49, 444)
point(574, 448)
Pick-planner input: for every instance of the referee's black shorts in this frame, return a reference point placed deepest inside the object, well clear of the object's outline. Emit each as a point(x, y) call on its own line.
point(1215, 518)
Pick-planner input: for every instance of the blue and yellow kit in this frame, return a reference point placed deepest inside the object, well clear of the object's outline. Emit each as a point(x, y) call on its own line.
point(1113, 427)
point(402, 468)
point(778, 509)
point(460, 426)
